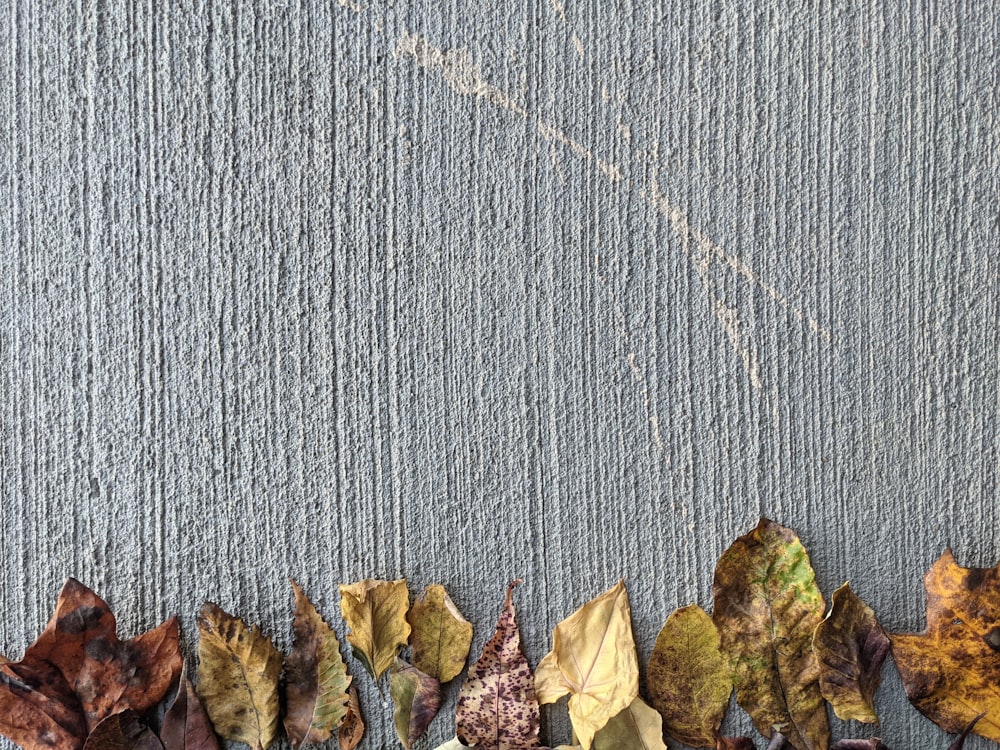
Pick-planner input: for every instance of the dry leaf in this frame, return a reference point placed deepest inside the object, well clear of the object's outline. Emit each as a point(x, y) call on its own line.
point(440, 637)
point(185, 725)
point(78, 672)
point(733, 743)
point(238, 675)
point(767, 607)
point(316, 678)
point(960, 742)
point(951, 671)
point(638, 727)
point(497, 709)
point(688, 681)
point(416, 698)
point(38, 709)
point(872, 743)
point(122, 731)
point(850, 646)
point(453, 744)
point(593, 659)
point(375, 611)
point(352, 728)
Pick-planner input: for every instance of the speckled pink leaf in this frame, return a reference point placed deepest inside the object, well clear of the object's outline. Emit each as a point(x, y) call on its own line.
point(497, 709)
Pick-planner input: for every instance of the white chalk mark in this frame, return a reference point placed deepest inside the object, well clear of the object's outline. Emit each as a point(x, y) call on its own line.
point(702, 252)
point(552, 133)
point(458, 69)
point(464, 77)
point(350, 5)
point(638, 373)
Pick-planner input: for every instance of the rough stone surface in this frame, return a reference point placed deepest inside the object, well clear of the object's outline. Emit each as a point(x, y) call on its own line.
point(466, 291)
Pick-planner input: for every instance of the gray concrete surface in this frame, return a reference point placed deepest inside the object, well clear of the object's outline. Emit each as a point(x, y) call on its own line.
point(472, 290)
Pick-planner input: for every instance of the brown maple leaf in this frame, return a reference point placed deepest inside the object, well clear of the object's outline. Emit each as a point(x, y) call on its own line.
point(78, 673)
point(951, 671)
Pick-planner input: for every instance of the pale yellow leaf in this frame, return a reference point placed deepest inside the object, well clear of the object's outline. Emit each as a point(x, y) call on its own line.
point(593, 660)
point(375, 611)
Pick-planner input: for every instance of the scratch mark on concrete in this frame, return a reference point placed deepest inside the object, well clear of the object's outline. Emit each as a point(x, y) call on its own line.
point(350, 5)
point(464, 77)
point(552, 133)
point(638, 372)
point(702, 252)
point(458, 69)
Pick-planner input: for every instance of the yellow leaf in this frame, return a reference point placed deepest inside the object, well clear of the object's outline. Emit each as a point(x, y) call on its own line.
point(638, 727)
point(440, 637)
point(238, 674)
point(593, 660)
point(689, 681)
point(375, 611)
point(951, 671)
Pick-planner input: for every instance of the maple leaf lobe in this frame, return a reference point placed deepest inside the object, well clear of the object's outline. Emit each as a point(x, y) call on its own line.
point(951, 670)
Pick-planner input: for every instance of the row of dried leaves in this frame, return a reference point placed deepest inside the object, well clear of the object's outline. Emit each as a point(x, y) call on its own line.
point(770, 637)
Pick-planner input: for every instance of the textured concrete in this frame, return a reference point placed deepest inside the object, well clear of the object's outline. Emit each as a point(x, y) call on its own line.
point(471, 290)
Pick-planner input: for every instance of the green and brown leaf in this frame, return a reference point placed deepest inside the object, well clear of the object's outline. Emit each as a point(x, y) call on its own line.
point(416, 698)
point(767, 607)
point(638, 727)
point(316, 679)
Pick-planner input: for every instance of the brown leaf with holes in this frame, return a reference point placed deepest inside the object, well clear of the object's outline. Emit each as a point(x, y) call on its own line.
point(238, 670)
point(122, 731)
point(77, 673)
point(352, 728)
point(186, 725)
point(951, 671)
